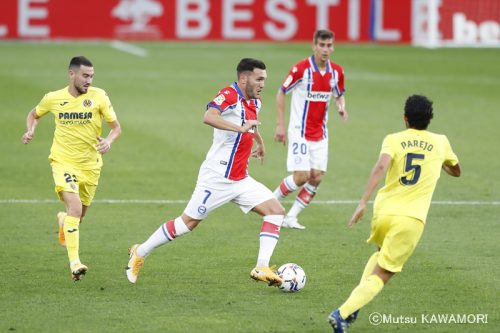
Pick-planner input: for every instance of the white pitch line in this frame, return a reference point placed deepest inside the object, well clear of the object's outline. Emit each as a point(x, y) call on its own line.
point(129, 48)
point(170, 202)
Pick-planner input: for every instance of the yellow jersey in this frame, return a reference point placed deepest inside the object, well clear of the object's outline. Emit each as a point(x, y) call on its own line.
point(417, 158)
point(78, 125)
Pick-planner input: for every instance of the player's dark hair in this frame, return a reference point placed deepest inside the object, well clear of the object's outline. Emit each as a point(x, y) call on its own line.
point(76, 62)
point(249, 64)
point(418, 111)
point(323, 34)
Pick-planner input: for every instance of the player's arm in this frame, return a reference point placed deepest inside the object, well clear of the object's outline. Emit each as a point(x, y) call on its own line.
point(450, 164)
point(376, 175)
point(31, 123)
point(340, 104)
point(213, 118)
point(260, 149)
point(104, 144)
point(452, 170)
point(280, 133)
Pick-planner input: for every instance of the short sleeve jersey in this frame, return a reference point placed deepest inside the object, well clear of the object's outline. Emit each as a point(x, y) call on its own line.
point(311, 93)
point(78, 125)
point(230, 150)
point(417, 158)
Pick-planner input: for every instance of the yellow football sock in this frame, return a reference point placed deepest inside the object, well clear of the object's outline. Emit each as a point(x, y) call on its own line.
point(362, 295)
point(72, 235)
point(370, 266)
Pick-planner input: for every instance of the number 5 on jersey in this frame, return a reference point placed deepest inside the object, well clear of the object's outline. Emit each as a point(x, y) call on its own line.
point(410, 166)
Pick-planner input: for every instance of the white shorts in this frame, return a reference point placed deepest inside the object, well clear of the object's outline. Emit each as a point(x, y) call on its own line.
point(305, 155)
point(213, 190)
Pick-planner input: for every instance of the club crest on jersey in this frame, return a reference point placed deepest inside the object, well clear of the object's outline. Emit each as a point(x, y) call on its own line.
point(87, 103)
point(219, 99)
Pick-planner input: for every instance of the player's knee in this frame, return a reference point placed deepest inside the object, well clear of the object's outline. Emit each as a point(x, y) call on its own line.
point(190, 222)
point(315, 178)
point(314, 181)
point(75, 212)
point(383, 273)
point(301, 177)
point(277, 209)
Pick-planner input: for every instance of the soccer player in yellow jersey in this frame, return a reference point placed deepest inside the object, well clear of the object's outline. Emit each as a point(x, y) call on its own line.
point(77, 148)
point(412, 161)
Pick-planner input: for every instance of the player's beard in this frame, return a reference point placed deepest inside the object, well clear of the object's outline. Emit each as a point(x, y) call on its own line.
point(81, 90)
point(251, 91)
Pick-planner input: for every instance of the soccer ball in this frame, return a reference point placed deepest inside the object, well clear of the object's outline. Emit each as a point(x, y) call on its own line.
point(294, 277)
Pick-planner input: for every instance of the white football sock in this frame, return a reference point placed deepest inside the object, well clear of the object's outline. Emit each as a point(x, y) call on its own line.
point(167, 232)
point(269, 236)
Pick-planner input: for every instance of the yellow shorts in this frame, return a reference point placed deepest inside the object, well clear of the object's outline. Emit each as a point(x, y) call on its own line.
point(397, 237)
point(69, 179)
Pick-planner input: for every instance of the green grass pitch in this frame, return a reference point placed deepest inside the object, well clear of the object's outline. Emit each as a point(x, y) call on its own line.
point(200, 283)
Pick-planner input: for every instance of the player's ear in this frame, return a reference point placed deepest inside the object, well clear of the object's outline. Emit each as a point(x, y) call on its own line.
point(406, 121)
point(244, 77)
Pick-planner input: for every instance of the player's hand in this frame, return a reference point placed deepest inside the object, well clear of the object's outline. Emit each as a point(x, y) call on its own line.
point(358, 214)
point(343, 114)
point(259, 153)
point(27, 137)
point(103, 146)
point(280, 134)
point(248, 125)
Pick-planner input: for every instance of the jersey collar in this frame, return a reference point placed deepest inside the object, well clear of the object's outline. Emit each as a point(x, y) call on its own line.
point(235, 86)
point(315, 66)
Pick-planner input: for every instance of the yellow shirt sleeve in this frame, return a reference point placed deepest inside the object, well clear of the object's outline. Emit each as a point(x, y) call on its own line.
point(44, 106)
point(450, 158)
point(386, 147)
point(107, 110)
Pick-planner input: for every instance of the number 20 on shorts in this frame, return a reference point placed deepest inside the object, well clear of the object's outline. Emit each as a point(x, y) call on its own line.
point(299, 148)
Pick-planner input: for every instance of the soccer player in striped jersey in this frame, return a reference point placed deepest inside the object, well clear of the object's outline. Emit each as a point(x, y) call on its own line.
point(411, 161)
point(224, 177)
point(76, 153)
point(312, 82)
